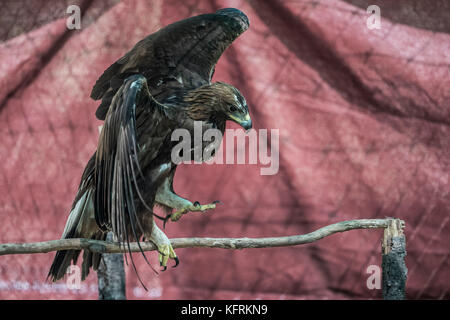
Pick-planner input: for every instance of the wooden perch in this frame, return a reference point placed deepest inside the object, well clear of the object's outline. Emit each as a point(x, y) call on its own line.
point(393, 263)
point(224, 243)
point(393, 248)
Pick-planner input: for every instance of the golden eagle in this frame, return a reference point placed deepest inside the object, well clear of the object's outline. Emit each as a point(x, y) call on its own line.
point(162, 84)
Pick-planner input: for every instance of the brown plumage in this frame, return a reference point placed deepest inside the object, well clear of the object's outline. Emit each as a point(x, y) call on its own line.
point(161, 85)
point(207, 101)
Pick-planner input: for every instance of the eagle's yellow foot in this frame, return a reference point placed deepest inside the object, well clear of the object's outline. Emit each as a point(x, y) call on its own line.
point(165, 252)
point(196, 206)
point(165, 249)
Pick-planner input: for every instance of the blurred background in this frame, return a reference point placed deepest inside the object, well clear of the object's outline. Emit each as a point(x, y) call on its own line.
point(364, 122)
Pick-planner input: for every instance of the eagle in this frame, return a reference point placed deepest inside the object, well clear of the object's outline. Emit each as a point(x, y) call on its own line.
point(162, 84)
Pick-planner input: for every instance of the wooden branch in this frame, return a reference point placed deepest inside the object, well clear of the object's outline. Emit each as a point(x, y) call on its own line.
point(111, 276)
point(393, 261)
point(224, 243)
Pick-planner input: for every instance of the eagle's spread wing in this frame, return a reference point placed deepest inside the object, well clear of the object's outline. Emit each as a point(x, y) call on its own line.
point(117, 169)
point(116, 160)
point(181, 54)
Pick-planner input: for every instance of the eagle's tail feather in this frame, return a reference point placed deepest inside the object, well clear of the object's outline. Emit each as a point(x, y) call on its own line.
point(92, 259)
point(77, 226)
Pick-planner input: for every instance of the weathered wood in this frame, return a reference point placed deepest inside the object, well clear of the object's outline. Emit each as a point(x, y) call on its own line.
point(111, 276)
point(224, 243)
point(394, 274)
point(393, 248)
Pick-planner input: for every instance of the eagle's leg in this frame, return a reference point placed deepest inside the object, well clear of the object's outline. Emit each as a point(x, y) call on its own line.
point(165, 249)
point(166, 197)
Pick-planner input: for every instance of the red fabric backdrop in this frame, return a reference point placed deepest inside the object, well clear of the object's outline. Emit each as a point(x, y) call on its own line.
point(364, 133)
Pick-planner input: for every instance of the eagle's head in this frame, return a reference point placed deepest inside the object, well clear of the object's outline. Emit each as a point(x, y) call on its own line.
point(218, 102)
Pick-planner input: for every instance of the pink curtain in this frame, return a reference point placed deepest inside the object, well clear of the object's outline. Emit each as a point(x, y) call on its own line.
point(363, 116)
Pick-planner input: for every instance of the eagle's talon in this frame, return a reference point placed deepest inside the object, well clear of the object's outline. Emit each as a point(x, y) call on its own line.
point(164, 247)
point(165, 252)
point(203, 207)
point(166, 219)
point(177, 262)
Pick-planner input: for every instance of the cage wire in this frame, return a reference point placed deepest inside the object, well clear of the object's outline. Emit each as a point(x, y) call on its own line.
point(364, 125)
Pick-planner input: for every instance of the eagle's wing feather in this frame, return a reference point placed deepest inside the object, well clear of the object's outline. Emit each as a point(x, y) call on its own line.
point(117, 169)
point(116, 153)
point(181, 54)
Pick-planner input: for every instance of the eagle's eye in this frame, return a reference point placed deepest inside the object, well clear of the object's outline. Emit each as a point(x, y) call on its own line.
point(232, 108)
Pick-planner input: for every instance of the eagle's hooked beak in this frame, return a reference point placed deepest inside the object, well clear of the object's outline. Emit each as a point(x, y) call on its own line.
point(245, 122)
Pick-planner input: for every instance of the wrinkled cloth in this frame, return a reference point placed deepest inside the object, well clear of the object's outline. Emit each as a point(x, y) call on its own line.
point(364, 124)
